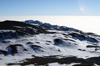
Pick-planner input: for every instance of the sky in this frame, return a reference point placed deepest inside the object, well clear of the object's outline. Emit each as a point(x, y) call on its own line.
point(80, 14)
point(49, 7)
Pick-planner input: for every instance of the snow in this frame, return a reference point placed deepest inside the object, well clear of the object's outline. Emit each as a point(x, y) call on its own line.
point(1, 31)
point(67, 48)
point(44, 45)
point(96, 65)
point(72, 64)
point(17, 26)
point(57, 64)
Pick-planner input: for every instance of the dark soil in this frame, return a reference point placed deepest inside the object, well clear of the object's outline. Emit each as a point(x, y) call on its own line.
point(66, 60)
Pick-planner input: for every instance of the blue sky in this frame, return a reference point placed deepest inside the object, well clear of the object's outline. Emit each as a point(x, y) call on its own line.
point(49, 7)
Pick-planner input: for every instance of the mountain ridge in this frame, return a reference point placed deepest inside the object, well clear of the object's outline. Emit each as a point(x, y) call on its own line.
point(34, 39)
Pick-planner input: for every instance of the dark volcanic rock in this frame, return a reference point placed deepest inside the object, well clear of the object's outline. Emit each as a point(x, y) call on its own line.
point(36, 48)
point(30, 43)
point(25, 28)
point(3, 52)
point(83, 37)
point(66, 60)
point(12, 49)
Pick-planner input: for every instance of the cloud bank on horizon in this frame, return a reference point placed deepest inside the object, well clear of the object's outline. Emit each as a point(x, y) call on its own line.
point(84, 23)
point(58, 12)
point(49, 7)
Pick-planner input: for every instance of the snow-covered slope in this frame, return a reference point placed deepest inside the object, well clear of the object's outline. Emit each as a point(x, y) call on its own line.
point(30, 42)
